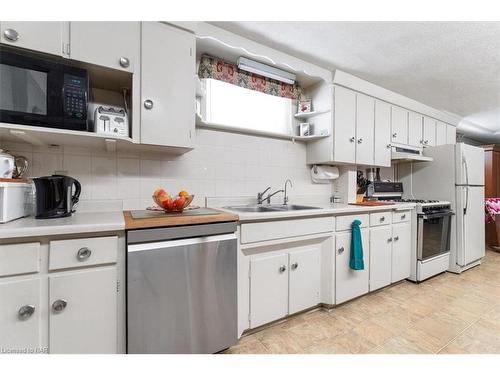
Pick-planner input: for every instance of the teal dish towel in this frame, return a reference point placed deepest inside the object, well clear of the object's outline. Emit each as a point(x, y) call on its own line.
point(356, 260)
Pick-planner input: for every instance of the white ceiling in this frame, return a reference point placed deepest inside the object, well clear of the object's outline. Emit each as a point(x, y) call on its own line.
point(451, 66)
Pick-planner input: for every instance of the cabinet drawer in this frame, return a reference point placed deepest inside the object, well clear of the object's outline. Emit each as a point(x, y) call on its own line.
point(82, 252)
point(19, 258)
point(401, 216)
point(271, 230)
point(380, 218)
point(344, 222)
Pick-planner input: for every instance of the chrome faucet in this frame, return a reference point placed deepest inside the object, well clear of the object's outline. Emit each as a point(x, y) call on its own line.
point(260, 195)
point(285, 198)
point(261, 199)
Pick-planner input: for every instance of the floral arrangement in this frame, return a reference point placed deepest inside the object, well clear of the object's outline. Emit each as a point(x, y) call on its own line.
point(492, 208)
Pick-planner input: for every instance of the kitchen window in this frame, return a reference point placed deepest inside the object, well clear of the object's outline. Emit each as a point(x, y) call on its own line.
point(245, 102)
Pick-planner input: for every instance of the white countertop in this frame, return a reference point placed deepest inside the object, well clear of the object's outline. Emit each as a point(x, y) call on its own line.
point(334, 209)
point(84, 222)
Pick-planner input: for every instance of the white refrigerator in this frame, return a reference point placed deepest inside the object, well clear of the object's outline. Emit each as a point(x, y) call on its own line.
point(456, 175)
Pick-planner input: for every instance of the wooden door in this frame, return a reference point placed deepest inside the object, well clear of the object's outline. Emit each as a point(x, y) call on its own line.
point(415, 123)
point(382, 148)
point(304, 278)
point(399, 125)
point(344, 139)
point(365, 129)
point(380, 257)
point(401, 251)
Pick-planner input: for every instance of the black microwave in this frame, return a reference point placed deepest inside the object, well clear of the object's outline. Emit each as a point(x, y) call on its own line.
point(41, 91)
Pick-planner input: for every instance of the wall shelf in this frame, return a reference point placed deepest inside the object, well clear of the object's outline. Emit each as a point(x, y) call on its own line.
point(45, 137)
point(307, 115)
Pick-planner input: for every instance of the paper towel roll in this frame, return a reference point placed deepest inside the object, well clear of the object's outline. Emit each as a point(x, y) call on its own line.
point(324, 174)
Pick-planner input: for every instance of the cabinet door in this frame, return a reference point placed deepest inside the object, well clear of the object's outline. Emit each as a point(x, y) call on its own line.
point(380, 257)
point(47, 37)
point(304, 278)
point(399, 125)
point(20, 316)
point(365, 129)
point(382, 151)
point(429, 131)
point(440, 133)
point(349, 283)
point(401, 251)
point(268, 289)
point(451, 134)
point(415, 121)
point(120, 51)
point(83, 313)
point(167, 86)
point(344, 140)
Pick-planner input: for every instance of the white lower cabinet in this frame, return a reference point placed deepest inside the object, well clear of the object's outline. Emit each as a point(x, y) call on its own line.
point(268, 289)
point(304, 279)
point(401, 251)
point(284, 283)
point(20, 316)
point(380, 257)
point(350, 283)
point(82, 317)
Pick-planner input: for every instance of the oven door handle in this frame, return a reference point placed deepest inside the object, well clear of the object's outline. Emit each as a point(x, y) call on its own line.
point(434, 216)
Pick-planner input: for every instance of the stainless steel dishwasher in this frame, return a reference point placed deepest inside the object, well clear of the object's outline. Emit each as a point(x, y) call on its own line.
point(182, 289)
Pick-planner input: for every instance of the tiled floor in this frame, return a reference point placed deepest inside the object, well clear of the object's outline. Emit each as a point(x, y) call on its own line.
point(446, 314)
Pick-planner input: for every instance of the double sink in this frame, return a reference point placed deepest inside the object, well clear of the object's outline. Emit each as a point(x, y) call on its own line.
point(271, 208)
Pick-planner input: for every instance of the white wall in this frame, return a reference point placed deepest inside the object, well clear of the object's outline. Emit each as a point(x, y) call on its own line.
point(222, 164)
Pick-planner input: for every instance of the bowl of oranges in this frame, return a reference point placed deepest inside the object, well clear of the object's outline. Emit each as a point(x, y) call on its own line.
point(171, 203)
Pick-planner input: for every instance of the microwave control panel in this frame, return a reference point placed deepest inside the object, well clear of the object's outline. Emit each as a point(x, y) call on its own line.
point(75, 97)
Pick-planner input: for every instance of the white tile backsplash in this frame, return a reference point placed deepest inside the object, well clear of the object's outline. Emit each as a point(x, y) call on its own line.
point(222, 164)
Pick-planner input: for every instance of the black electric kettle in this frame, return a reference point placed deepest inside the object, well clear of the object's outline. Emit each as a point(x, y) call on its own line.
point(55, 196)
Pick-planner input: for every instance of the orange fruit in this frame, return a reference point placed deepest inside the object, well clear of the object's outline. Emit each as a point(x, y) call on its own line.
point(184, 194)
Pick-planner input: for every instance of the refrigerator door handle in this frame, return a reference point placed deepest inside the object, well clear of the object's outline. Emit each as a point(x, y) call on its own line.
point(464, 160)
point(466, 199)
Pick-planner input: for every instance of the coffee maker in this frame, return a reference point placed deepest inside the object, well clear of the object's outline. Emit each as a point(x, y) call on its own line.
point(55, 196)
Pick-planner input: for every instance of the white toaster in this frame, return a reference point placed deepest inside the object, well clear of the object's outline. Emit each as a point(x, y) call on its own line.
point(111, 120)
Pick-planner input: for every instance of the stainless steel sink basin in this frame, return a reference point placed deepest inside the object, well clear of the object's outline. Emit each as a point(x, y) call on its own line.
point(294, 207)
point(271, 208)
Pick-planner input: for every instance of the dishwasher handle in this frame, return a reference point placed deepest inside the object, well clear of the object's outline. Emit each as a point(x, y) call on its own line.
point(176, 243)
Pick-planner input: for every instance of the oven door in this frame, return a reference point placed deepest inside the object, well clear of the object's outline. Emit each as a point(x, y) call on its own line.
point(434, 234)
point(30, 90)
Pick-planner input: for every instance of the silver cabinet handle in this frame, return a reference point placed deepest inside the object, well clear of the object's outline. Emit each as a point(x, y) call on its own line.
point(25, 312)
point(360, 140)
point(388, 146)
point(11, 34)
point(382, 218)
point(282, 269)
point(352, 139)
point(394, 135)
point(403, 216)
point(124, 62)
point(341, 250)
point(295, 266)
point(148, 104)
point(59, 305)
point(396, 238)
point(83, 254)
point(426, 142)
point(389, 239)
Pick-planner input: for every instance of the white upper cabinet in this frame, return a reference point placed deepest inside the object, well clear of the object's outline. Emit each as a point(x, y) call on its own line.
point(365, 129)
point(49, 37)
point(451, 134)
point(382, 145)
point(120, 51)
point(429, 132)
point(440, 133)
point(168, 69)
point(399, 125)
point(415, 123)
point(344, 140)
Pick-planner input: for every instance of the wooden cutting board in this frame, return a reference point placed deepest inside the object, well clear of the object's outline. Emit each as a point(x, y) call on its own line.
point(372, 203)
point(13, 180)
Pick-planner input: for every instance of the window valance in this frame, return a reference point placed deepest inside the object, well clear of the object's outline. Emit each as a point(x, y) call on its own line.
point(215, 68)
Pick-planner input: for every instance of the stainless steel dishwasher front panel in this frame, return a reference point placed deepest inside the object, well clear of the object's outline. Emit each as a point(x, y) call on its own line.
point(182, 295)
